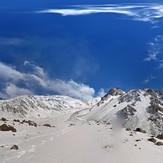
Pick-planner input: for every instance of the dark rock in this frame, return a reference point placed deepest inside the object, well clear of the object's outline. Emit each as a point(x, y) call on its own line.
point(128, 129)
point(152, 140)
point(3, 119)
point(47, 125)
point(14, 147)
point(137, 140)
point(72, 124)
point(140, 130)
point(5, 127)
point(160, 136)
point(16, 120)
point(115, 92)
point(128, 111)
point(159, 143)
point(29, 122)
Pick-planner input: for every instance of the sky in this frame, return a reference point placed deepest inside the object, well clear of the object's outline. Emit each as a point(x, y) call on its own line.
point(79, 48)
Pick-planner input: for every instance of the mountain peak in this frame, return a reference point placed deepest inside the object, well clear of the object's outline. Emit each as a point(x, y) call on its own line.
point(115, 91)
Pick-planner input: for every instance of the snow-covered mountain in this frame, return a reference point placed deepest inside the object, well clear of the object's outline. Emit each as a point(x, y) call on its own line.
point(39, 106)
point(136, 108)
point(133, 109)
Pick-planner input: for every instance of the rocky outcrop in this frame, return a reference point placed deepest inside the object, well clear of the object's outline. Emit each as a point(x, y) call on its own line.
point(5, 127)
point(128, 111)
point(140, 130)
point(131, 95)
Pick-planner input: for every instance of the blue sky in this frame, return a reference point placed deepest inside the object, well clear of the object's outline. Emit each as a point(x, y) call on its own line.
point(79, 48)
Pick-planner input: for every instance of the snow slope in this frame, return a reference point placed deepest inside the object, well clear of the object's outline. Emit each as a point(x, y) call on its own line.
point(136, 108)
point(81, 142)
point(39, 106)
point(74, 139)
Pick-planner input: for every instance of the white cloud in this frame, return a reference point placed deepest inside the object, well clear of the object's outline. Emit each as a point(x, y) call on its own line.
point(155, 51)
point(151, 77)
point(12, 90)
point(151, 56)
point(7, 72)
point(101, 92)
point(146, 81)
point(71, 88)
point(140, 12)
point(91, 10)
point(37, 70)
point(39, 79)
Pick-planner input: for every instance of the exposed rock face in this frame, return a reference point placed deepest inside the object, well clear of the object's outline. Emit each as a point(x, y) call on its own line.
point(128, 111)
point(160, 136)
point(115, 92)
point(110, 95)
point(134, 109)
point(129, 96)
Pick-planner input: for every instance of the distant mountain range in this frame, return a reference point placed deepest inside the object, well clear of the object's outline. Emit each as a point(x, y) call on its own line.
point(133, 109)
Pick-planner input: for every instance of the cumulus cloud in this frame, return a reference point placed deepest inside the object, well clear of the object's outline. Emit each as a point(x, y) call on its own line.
point(12, 90)
point(147, 12)
point(20, 83)
point(7, 72)
point(101, 92)
point(71, 88)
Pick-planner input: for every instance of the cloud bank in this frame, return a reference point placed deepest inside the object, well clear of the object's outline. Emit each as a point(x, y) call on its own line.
point(19, 83)
point(147, 12)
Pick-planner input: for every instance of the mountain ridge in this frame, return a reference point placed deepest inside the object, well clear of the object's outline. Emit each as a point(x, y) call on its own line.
point(135, 108)
point(141, 108)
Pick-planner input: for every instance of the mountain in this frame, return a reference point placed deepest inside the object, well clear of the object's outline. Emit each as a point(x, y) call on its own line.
point(39, 106)
point(134, 109)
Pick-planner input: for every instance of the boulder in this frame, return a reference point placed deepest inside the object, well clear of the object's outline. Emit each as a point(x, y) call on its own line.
point(5, 127)
point(14, 147)
point(47, 125)
point(152, 140)
point(160, 136)
point(3, 119)
point(159, 143)
point(140, 130)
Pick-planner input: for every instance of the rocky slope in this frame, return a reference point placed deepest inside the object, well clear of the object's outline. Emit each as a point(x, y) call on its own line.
point(136, 108)
point(39, 106)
